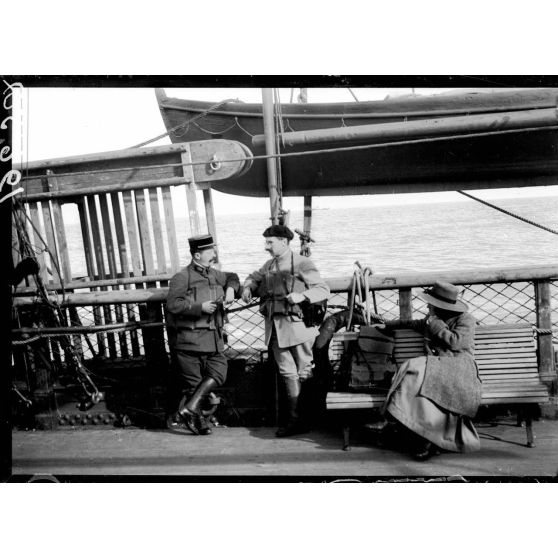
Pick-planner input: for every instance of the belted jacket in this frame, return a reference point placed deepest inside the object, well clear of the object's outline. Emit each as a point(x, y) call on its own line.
point(188, 327)
point(289, 272)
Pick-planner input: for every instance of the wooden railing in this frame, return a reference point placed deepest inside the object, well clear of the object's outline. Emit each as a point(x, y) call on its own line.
point(539, 291)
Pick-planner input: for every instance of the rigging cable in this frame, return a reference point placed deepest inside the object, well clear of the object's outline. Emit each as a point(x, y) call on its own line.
point(352, 93)
point(507, 212)
point(81, 372)
point(183, 124)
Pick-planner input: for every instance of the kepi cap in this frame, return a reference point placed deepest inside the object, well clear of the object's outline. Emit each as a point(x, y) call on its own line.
point(201, 242)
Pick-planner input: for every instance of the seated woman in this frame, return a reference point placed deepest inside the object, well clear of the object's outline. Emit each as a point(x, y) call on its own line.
point(435, 396)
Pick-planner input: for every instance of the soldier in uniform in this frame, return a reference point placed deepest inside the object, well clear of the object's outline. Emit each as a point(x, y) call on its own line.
point(195, 318)
point(284, 283)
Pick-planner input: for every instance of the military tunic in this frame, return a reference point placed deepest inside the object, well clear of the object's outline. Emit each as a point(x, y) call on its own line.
point(196, 338)
point(287, 334)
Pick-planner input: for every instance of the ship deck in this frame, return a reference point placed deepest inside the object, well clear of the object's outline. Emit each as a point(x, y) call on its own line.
point(255, 452)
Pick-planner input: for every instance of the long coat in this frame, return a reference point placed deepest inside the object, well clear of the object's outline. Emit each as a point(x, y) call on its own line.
point(291, 329)
point(451, 377)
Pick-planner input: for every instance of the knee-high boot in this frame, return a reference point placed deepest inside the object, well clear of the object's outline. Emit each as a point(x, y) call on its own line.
point(191, 412)
point(294, 426)
point(309, 409)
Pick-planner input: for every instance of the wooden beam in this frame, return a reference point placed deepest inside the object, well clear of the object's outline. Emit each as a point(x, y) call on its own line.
point(136, 168)
point(344, 284)
point(543, 298)
point(465, 276)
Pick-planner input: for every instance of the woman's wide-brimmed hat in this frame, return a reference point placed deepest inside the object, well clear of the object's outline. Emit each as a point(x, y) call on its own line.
point(444, 295)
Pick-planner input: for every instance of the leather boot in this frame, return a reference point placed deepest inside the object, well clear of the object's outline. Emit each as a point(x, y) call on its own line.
point(294, 426)
point(190, 411)
point(204, 427)
point(311, 402)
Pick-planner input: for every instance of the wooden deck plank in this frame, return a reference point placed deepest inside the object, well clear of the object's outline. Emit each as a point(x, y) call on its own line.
point(256, 451)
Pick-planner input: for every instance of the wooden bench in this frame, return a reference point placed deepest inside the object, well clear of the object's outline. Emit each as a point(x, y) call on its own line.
point(506, 355)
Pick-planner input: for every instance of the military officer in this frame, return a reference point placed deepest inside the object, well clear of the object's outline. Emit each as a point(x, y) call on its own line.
point(285, 282)
point(195, 318)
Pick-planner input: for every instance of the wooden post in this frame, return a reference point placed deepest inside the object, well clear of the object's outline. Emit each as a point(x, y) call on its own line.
point(269, 129)
point(305, 246)
point(191, 188)
point(544, 321)
point(405, 304)
point(210, 218)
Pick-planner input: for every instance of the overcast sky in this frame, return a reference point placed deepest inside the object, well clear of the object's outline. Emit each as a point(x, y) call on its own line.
point(72, 121)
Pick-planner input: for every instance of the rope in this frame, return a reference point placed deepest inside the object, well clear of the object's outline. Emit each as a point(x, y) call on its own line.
point(84, 330)
point(186, 122)
point(242, 128)
point(216, 133)
point(313, 152)
point(507, 212)
point(352, 93)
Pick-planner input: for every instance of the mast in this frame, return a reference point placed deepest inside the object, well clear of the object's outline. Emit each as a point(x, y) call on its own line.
point(269, 133)
point(307, 226)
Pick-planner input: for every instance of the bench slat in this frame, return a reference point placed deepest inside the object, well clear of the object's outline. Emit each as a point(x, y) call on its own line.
point(505, 354)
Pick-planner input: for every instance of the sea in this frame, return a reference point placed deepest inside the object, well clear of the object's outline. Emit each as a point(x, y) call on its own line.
point(445, 236)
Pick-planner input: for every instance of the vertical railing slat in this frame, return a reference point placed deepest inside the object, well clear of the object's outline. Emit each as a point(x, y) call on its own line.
point(124, 266)
point(59, 230)
point(51, 243)
point(157, 231)
point(38, 241)
point(101, 270)
point(145, 240)
point(111, 259)
point(171, 228)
